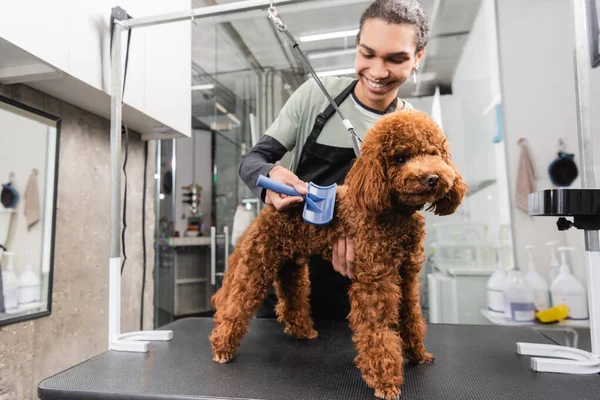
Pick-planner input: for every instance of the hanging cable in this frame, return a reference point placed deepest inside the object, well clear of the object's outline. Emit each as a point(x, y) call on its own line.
point(356, 141)
point(119, 14)
point(144, 234)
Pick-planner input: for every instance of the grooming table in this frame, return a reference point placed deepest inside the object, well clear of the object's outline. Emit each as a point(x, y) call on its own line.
point(472, 362)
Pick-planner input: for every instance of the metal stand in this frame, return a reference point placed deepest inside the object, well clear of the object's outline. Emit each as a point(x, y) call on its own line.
point(133, 341)
point(584, 206)
point(139, 341)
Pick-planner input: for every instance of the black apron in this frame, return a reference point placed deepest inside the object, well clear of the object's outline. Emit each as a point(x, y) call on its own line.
point(323, 165)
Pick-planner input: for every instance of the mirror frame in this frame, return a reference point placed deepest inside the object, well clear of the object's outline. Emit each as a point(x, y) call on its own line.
point(57, 120)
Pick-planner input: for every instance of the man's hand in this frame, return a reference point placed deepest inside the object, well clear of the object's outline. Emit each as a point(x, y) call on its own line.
point(282, 201)
point(343, 256)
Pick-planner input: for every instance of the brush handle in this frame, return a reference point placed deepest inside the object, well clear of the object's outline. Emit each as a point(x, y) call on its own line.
point(270, 184)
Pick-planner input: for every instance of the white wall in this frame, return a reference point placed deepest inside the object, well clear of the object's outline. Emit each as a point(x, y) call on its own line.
point(24, 146)
point(536, 43)
point(470, 124)
point(476, 85)
point(185, 175)
point(74, 36)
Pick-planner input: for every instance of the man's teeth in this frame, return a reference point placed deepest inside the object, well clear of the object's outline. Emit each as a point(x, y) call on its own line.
point(375, 85)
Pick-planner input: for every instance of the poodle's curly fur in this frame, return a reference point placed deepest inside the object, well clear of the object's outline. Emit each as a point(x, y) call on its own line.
point(404, 166)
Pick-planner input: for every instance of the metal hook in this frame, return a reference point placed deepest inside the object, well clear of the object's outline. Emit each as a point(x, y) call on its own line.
point(561, 146)
point(273, 15)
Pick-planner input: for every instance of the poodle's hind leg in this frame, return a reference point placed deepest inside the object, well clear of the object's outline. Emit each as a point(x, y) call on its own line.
point(374, 322)
point(412, 329)
point(292, 286)
point(254, 274)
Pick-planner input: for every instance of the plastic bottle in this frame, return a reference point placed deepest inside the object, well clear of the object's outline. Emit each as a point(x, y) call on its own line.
point(518, 297)
point(29, 283)
point(567, 290)
point(495, 285)
point(10, 283)
point(539, 286)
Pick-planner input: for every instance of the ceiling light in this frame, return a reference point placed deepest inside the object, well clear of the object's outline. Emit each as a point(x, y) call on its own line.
point(221, 108)
point(234, 118)
point(330, 35)
point(207, 86)
point(331, 53)
point(334, 72)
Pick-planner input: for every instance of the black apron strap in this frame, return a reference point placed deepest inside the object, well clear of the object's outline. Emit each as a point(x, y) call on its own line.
point(323, 117)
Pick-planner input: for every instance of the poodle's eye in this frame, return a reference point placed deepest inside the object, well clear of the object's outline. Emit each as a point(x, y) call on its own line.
point(401, 160)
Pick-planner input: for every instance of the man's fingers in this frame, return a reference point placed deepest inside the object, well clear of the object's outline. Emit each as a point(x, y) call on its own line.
point(336, 259)
point(301, 187)
point(283, 203)
point(342, 256)
point(350, 257)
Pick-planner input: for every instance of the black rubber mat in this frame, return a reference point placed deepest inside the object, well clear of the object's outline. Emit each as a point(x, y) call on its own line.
point(472, 362)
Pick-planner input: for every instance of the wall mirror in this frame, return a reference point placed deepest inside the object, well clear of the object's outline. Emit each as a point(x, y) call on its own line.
point(29, 146)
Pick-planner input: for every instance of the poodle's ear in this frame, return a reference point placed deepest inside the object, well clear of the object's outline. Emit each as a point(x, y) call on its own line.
point(368, 187)
point(450, 201)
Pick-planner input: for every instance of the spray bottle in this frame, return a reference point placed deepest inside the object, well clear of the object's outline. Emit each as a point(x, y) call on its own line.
point(554, 264)
point(10, 283)
point(539, 286)
point(567, 290)
point(495, 285)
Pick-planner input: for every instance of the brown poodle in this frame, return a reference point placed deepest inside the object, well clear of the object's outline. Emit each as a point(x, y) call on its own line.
point(404, 166)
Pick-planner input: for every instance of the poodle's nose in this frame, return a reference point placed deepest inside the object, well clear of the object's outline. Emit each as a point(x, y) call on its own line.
point(432, 180)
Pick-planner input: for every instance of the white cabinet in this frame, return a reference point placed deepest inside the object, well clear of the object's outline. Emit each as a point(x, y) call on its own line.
point(72, 39)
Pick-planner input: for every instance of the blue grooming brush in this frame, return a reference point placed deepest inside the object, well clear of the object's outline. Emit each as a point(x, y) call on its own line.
point(318, 203)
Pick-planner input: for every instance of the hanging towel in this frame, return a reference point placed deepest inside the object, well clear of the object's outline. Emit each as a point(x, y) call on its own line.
point(525, 177)
point(32, 200)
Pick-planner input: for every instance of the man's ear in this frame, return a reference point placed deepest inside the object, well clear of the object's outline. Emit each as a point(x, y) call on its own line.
point(419, 56)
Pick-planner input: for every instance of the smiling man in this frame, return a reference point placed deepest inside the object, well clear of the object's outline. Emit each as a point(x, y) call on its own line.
point(390, 43)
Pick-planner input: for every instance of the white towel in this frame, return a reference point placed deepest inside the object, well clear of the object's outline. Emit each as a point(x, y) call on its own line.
point(32, 200)
point(241, 221)
point(525, 182)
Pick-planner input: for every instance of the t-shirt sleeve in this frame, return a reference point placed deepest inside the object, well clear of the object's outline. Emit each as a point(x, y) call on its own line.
point(260, 160)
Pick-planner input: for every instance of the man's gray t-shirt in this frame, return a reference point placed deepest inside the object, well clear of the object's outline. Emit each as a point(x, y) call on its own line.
point(297, 117)
point(295, 121)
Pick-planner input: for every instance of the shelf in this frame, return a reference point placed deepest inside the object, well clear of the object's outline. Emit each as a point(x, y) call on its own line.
point(477, 186)
point(190, 280)
point(190, 241)
point(498, 319)
point(37, 306)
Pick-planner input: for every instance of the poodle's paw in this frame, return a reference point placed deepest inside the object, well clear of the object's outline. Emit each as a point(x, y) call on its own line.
point(222, 358)
point(388, 394)
point(423, 358)
point(301, 333)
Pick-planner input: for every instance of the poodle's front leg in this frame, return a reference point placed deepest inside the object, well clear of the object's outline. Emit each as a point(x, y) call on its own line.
point(412, 329)
point(248, 288)
point(374, 321)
